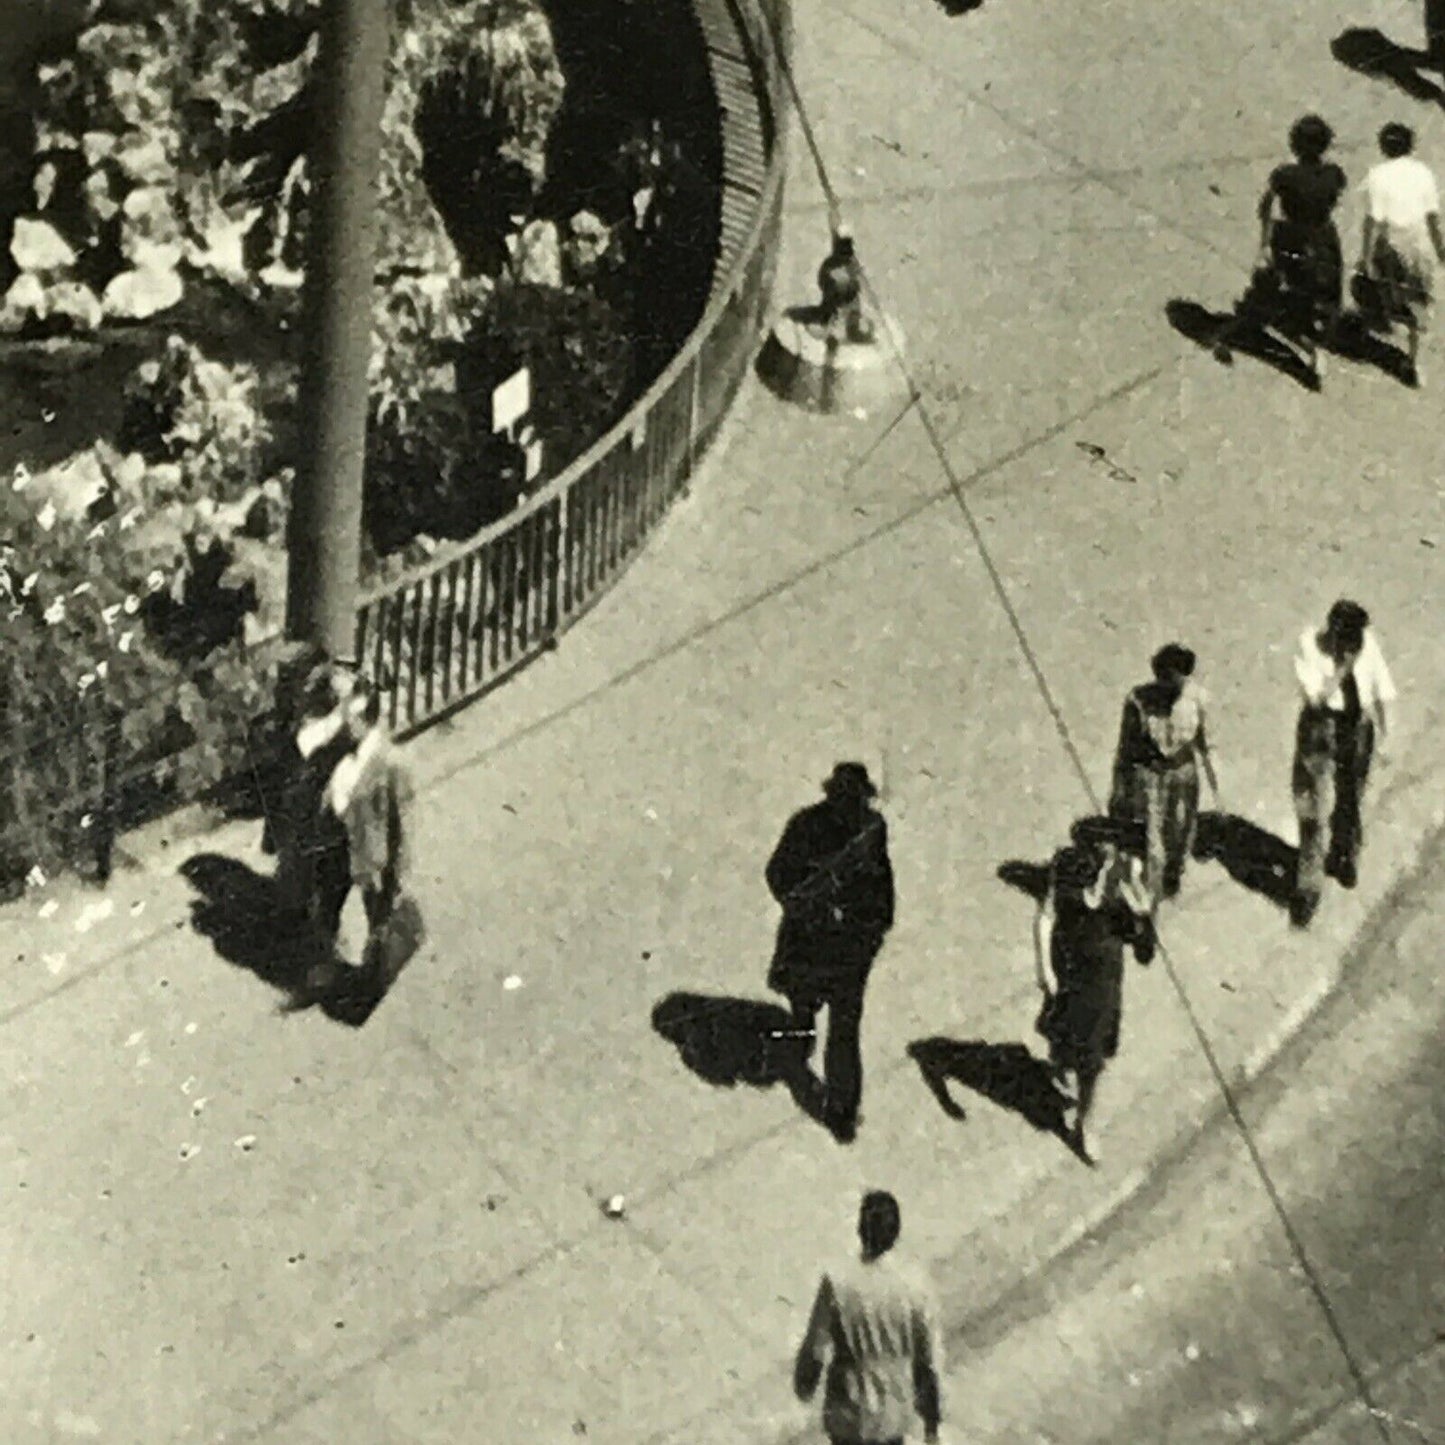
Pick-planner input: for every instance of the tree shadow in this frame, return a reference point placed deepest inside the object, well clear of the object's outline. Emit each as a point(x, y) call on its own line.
point(1254, 857)
point(1372, 53)
point(247, 921)
point(1008, 1075)
point(1203, 327)
point(1031, 879)
point(732, 1041)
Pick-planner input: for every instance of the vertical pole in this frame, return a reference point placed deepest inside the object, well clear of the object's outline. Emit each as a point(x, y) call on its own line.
point(324, 535)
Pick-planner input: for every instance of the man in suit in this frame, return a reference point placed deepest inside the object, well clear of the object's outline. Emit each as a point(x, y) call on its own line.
point(832, 875)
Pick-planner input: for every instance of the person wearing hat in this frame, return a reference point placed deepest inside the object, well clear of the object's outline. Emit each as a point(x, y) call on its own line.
point(1096, 906)
point(832, 875)
point(1346, 695)
point(1163, 744)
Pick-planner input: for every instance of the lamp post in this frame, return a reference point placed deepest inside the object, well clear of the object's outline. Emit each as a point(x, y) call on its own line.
point(324, 530)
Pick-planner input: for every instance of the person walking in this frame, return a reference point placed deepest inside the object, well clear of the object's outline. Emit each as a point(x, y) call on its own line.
point(1346, 694)
point(874, 1331)
point(313, 860)
point(370, 792)
point(832, 875)
point(1095, 906)
point(1163, 745)
point(1402, 239)
point(1300, 257)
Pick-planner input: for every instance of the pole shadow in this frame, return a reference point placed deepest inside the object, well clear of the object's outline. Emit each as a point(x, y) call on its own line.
point(1372, 53)
point(730, 1041)
point(1253, 856)
point(248, 923)
point(1007, 1075)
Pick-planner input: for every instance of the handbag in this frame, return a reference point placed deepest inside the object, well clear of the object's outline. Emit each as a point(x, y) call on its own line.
point(395, 941)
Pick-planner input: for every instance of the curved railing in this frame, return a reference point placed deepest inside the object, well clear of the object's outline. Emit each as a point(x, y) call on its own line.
point(450, 631)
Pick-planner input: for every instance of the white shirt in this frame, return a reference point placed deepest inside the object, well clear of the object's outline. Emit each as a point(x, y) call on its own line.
point(1400, 193)
point(1315, 671)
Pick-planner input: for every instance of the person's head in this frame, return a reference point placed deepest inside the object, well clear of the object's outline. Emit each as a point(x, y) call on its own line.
point(849, 788)
point(843, 241)
point(1345, 628)
point(1173, 664)
point(1310, 137)
point(879, 1223)
point(1397, 140)
point(363, 706)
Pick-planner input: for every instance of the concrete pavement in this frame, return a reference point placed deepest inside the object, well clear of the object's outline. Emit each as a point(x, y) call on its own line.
point(412, 1248)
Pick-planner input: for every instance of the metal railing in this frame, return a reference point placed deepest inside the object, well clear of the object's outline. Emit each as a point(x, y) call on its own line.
point(452, 630)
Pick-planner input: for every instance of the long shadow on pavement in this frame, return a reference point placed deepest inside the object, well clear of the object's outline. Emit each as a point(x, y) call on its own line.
point(1253, 856)
point(243, 915)
point(1008, 1075)
point(1202, 326)
point(1370, 52)
point(731, 1041)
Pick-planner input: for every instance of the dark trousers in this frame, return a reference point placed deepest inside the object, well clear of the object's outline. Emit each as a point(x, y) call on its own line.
point(843, 1053)
point(1331, 768)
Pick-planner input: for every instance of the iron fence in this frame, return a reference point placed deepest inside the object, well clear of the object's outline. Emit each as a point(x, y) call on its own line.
point(452, 630)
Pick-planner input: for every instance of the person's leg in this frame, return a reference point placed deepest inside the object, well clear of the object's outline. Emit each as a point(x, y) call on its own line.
point(1351, 773)
point(1313, 788)
point(1088, 1089)
point(1181, 816)
point(1156, 804)
point(843, 1059)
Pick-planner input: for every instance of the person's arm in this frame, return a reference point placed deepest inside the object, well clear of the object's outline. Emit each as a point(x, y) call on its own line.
point(1206, 758)
point(1433, 222)
point(927, 1367)
point(786, 868)
point(813, 1352)
point(1043, 941)
point(887, 897)
point(1266, 221)
point(1384, 695)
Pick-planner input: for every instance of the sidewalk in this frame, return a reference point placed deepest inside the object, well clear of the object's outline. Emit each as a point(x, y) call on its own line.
point(413, 1243)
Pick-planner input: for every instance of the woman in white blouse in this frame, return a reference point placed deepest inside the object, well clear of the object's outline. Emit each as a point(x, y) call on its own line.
point(1402, 239)
point(1346, 694)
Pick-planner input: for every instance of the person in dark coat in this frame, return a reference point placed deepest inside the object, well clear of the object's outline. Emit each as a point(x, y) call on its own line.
point(1095, 907)
point(831, 874)
point(313, 864)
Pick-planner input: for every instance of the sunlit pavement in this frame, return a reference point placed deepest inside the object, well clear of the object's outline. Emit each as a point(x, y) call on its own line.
point(412, 1248)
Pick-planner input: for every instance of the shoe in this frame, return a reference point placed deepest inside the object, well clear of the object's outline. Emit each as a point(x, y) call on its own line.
point(1222, 353)
point(1302, 908)
point(845, 1131)
point(1346, 875)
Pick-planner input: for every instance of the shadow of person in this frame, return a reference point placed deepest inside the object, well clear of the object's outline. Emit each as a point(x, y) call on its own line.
point(1252, 338)
point(1005, 1074)
point(732, 1041)
point(1254, 857)
point(1358, 338)
point(1372, 53)
point(248, 923)
point(959, 7)
point(245, 918)
point(1031, 879)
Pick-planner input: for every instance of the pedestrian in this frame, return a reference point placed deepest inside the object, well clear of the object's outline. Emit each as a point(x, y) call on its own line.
point(313, 862)
point(370, 792)
point(1347, 695)
point(832, 875)
point(874, 1331)
point(1300, 257)
point(1163, 745)
point(1096, 906)
point(840, 285)
point(1402, 240)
